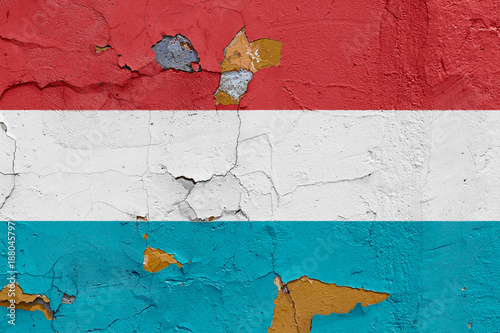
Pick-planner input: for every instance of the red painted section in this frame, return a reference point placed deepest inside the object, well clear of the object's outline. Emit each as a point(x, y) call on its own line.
point(340, 54)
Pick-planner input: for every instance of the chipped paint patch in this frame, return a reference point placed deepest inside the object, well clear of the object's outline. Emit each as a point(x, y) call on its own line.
point(233, 85)
point(99, 49)
point(68, 299)
point(177, 52)
point(299, 300)
point(24, 301)
point(251, 56)
point(243, 59)
point(155, 260)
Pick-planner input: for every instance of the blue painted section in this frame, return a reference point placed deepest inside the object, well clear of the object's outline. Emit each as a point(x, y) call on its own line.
point(226, 284)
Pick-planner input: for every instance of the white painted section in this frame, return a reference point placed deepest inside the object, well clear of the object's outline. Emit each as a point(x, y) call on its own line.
point(257, 165)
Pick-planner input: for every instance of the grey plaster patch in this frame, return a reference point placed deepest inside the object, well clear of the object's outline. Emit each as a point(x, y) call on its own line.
point(68, 299)
point(178, 53)
point(235, 83)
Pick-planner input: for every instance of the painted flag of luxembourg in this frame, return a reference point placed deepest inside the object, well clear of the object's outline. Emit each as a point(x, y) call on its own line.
point(225, 150)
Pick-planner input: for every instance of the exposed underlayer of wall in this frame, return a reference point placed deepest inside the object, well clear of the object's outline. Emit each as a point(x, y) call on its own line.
point(249, 165)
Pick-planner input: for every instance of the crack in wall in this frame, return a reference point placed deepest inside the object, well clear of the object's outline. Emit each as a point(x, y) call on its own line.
point(13, 174)
point(191, 210)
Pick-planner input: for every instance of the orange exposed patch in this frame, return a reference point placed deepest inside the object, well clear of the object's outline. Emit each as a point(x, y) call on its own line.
point(299, 300)
point(155, 260)
point(25, 301)
point(145, 236)
point(187, 46)
point(241, 54)
point(251, 56)
point(100, 49)
point(224, 99)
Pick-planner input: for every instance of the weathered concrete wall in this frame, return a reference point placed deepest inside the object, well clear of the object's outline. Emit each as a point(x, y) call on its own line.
point(250, 165)
point(217, 158)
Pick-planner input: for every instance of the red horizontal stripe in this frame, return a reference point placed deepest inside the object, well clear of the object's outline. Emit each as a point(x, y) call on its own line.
point(336, 54)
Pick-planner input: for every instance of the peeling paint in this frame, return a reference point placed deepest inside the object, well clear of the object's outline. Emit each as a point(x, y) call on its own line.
point(68, 299)
point(218, 197)
point(233, 85)
point(24, 301)
point(299, 300)
point(241, 54)
point(155, 260)
point(99, 49)
point(242, 59)
point(337, 54)
point(228, 284)
point(177, 52)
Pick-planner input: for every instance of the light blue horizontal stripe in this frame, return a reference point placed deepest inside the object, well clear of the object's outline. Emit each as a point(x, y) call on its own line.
point(226, 283)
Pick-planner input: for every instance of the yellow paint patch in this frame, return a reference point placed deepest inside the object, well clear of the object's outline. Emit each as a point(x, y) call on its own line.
point(299, 300)
point(251, 56)
point(237, 54)
point(99, 49)
point(267, 53)
point(225, 99)
point(155, 260)
point(25, 301)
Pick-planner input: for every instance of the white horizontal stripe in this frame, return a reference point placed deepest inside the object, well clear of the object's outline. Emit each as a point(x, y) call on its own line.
point(260, 165)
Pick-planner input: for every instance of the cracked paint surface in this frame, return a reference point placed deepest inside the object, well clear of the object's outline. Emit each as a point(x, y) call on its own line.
point(299, 300)
point(7, 157)
point(434, 272)
point(249, 165)
point(337, 54)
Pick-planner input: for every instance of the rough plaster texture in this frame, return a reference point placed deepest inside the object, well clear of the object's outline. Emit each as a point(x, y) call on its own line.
point(235, 83)
point(176, 52)
point(344, 54)
point(250, 165)
point(441, 277)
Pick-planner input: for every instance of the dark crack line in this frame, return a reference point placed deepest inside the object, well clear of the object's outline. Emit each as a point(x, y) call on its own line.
point(294, 309)
point(13, 168)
